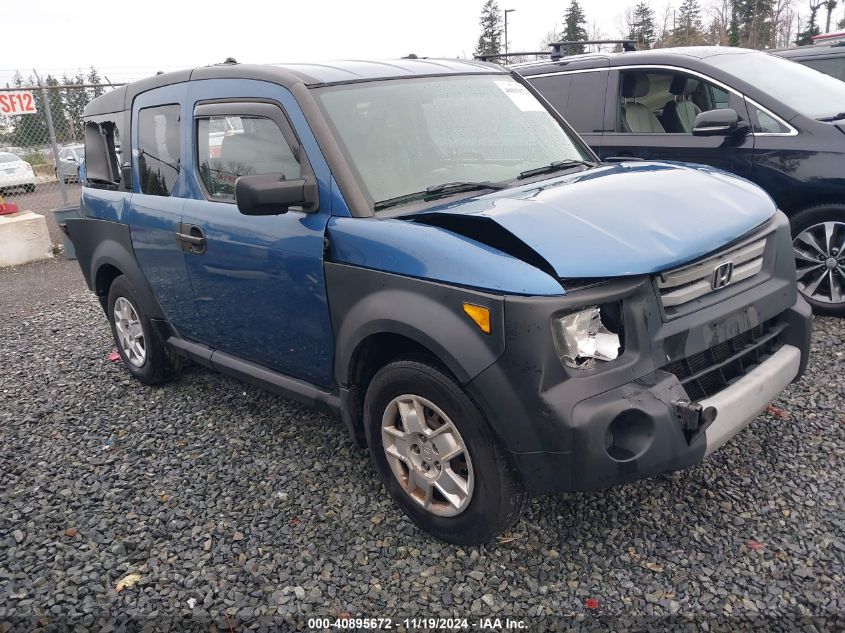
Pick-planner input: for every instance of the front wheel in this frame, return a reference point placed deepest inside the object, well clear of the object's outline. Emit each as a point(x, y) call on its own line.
point(437, 457)
point(819, 247)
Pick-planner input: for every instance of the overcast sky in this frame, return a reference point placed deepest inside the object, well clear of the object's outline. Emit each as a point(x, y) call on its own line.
point(54, 37)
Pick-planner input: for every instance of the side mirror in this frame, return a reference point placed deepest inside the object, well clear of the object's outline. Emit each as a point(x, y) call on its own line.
point(721, 122)
point(271, 194)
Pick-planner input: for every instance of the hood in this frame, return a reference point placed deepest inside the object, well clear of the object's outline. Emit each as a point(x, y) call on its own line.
point(623, 219)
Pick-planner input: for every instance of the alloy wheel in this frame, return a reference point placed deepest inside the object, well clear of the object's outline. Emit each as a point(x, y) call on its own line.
point(130, 334)
point(820, 262)
point(427, 455)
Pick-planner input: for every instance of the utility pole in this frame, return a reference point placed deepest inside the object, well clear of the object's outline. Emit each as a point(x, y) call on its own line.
point(506, 27)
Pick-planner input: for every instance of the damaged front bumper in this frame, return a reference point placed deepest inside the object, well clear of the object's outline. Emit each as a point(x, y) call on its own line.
point(656, 408)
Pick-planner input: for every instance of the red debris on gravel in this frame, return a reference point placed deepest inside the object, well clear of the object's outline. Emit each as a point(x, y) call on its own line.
point(113, 356)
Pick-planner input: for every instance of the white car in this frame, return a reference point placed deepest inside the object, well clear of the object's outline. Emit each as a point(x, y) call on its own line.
point(15, 172)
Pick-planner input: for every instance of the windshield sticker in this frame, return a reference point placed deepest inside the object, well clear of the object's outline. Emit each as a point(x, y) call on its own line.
point(519, 94)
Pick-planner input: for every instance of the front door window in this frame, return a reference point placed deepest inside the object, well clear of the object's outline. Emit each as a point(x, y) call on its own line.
point(665, 102)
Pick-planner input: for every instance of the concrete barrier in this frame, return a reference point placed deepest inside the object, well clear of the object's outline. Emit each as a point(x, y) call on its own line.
point(24, 238)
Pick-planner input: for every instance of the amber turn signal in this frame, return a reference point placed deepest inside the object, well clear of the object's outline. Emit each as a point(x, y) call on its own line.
point(480, 315)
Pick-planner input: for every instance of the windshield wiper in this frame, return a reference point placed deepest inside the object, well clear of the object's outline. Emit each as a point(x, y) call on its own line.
point(557, 165)
point(835, 117)
point(437, 191)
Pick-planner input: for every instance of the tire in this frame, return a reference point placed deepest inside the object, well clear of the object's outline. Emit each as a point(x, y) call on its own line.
point(156, 364)
point(496, 496)
point(818, 234)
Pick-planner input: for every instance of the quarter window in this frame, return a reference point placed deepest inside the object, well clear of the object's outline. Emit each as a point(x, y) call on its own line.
point(158, 145)
point(764, 123)
point(232, 146)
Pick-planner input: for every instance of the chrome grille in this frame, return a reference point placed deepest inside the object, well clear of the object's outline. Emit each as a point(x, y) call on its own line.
point(682, 285)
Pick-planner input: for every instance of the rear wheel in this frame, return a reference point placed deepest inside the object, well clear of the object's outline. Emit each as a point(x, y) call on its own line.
point(144, 354)
point(819, 247)
point(437, 457)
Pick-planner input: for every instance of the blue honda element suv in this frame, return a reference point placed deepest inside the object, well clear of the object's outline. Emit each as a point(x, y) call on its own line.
point(428, 251)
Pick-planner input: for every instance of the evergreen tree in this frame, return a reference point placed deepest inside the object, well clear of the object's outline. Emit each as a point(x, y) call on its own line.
point(57, 110)
point(490, 40)
point(734, 32)
point(643, 27)
point(30, 129)
point(76, 99)
point(756, 22)
point(94, 78)
point(806, 36)
point(688, 26)
point(574, 27)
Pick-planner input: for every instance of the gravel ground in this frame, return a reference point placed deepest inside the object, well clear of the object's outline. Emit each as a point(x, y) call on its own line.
point(233, 509)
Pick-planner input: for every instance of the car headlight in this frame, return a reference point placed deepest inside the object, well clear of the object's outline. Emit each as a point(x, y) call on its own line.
point(588, 336)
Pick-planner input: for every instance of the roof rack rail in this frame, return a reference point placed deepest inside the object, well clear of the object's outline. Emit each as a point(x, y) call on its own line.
point(557, 49)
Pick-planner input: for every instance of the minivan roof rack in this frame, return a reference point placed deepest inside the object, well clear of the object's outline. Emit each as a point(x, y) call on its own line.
point(557, 49)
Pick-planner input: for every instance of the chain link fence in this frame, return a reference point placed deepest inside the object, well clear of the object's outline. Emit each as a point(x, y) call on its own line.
point(41, 144)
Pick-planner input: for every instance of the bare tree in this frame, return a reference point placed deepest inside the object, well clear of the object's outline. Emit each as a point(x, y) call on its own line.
point(721, 12)
point(666, 27)
point(831, 6)
point(784, 22)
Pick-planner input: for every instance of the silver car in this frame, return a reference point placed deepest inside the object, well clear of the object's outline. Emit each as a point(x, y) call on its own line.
point(70, 158)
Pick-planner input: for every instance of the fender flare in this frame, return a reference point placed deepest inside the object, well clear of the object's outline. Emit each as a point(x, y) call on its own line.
point(101, 243)
point(365, 302)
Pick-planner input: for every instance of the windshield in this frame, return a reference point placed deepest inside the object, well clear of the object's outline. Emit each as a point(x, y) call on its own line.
point(8, 158)
point(403, 136)
point(803, 89)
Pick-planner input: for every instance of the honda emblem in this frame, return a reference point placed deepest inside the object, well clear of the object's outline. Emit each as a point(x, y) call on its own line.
point(722, 275)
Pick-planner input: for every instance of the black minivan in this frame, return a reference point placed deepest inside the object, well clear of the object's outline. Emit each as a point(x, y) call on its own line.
point(777, 123)
point(827, 56)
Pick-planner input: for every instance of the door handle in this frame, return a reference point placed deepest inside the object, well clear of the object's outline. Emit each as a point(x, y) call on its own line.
point(191, 239)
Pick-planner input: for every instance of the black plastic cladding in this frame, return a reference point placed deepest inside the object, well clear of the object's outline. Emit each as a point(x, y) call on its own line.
point(562, 448)
point(101, 243)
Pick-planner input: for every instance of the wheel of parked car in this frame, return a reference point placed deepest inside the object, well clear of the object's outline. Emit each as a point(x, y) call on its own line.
point(437, 456)
point(143, 353)
point(819, 243)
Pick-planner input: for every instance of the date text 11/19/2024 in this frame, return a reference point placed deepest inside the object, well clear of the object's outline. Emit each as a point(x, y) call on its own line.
point(412, 624)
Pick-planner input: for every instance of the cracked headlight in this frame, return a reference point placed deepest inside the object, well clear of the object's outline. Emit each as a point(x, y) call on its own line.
point(588, 336)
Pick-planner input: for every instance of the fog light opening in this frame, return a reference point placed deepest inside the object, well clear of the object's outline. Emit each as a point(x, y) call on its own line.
point(629, 435)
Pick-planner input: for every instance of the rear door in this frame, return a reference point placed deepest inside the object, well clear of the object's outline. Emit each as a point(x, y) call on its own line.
point(663, 141)
point(258, 281)
point(155, 207)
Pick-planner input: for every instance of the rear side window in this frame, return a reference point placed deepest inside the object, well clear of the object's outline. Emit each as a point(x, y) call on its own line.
point(158, 149)
point(835, 66)
point(237, 145)
point(578, 97)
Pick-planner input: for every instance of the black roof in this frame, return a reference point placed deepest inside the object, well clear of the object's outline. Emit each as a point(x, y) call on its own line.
point(828, 49)
point(316, 74)
point(653, 56)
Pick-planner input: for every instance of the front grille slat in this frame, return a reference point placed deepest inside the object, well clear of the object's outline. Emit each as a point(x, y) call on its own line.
point(682, 285)
point(706, 373)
